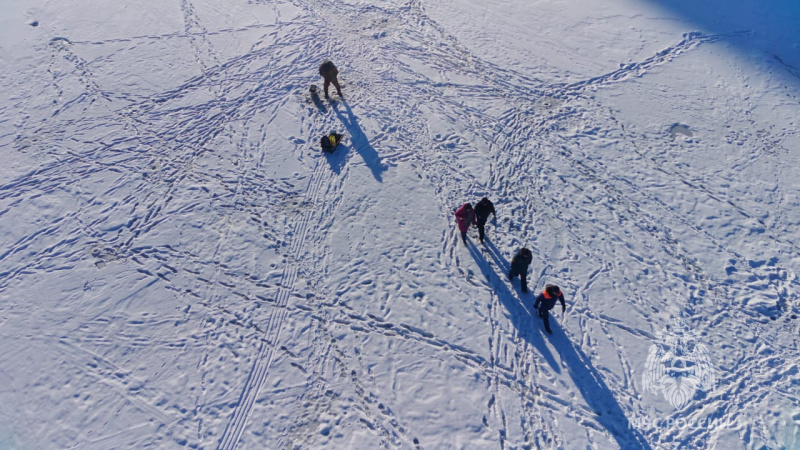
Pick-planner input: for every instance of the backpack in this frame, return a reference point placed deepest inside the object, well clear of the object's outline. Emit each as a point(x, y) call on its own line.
point(330, 141)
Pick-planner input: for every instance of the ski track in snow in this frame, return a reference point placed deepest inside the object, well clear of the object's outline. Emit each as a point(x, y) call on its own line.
point(531, 130)
point(541, 130)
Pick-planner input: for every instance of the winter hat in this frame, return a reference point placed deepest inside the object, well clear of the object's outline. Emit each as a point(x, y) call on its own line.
point(553, 290)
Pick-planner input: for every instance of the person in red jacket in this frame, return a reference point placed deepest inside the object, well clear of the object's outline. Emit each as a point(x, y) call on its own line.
point(546, 301)
point(465, 216)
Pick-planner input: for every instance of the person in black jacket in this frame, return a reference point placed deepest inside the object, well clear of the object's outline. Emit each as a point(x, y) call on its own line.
point(546, 301)
point(482, 210)
point(519, 266)
point(330, 74)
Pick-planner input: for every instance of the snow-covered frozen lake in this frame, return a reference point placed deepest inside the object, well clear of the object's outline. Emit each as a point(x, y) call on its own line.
point(180, 265)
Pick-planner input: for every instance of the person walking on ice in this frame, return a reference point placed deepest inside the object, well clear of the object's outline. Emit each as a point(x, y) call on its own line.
point(465, 216)
point(329, 74)
point(519, 266)
point(482, 210)
point(546, 301)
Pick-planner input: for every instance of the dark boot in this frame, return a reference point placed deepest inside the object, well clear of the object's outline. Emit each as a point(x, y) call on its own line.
point(481, 231)
point(464, 238)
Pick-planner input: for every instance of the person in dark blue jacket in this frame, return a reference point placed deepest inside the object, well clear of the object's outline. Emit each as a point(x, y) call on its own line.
point(546, 301)
point(482, 210)
point(519, 266)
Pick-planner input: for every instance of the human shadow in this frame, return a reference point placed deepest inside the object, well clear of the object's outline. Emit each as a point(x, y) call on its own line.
point(596, 393)
point(318, 102)
point(519, 314)
point(359, 140)
point(337, 158)
point(588, 380)
point(497, 256)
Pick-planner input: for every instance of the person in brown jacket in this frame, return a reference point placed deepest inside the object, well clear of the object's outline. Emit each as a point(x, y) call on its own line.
point(329, 73)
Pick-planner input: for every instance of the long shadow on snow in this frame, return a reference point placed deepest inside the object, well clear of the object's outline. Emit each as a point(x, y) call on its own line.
point(596, 393)
point(588, 380)
point(337, 158)
point(360, 141)
point(318, 103)
point(520, 315)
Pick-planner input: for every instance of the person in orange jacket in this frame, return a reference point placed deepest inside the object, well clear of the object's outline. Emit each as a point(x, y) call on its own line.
point(546, 301)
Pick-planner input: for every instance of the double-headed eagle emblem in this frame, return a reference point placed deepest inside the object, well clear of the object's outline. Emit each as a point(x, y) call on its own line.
point(679, 366)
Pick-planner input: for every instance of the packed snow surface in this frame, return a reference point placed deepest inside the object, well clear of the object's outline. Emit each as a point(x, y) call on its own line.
point(180, 265)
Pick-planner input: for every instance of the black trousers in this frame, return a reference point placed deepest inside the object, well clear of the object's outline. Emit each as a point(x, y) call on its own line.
point(481, 230)
point(327, 84)
point(545, 315)
point(523, 277)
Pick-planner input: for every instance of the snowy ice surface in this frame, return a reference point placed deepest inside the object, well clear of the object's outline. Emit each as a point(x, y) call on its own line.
point(180, 266)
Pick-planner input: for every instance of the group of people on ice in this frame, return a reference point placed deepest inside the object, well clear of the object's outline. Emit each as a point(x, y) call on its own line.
point(467, 216)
